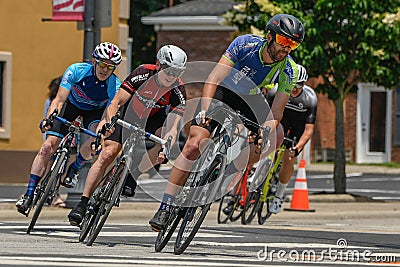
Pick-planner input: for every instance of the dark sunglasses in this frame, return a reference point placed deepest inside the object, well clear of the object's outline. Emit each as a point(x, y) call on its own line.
point(299, 85)
point(171, 71)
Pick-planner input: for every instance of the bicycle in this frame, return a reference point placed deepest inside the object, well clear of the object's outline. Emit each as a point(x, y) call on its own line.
point(196, 196)
point(266, 174)
point(236, 200)
point(108, 194)
point(48, 188)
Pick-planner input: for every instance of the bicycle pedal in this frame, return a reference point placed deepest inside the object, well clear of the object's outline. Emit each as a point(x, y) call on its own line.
point(155, 229)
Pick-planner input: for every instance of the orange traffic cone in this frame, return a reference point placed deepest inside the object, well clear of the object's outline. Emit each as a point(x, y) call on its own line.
point(300, 193)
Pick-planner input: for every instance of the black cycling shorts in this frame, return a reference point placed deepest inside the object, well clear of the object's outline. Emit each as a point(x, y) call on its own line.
point(152, 124)
point(70, 113)
point(257, 113)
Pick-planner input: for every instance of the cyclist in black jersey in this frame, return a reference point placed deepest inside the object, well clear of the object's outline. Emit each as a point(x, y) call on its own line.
point(298, 119)
point(153, 92)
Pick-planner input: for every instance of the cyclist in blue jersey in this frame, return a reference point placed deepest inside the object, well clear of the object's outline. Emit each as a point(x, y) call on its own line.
point(86, 89)
point(249, 63)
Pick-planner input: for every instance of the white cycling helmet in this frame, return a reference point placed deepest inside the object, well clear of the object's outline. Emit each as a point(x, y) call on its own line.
point(172, 56)
point(108, 51)
point(303, 77)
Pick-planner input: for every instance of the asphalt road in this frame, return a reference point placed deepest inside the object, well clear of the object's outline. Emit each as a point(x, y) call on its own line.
point(336, 234)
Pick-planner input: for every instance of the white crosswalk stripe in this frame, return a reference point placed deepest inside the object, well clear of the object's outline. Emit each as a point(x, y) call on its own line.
point(220, 242)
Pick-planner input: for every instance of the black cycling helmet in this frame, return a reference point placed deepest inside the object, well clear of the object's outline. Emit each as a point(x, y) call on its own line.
point(286, 25)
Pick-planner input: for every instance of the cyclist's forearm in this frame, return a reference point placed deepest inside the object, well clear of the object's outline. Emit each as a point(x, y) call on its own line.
point(306, 136)
point(58, 101)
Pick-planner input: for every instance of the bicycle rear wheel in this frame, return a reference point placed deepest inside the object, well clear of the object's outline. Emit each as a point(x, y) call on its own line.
point(223, 218)
point(251, 207)
point(165, 235)
point(237, 207)
point(108, 201)
point(49, 189)
point(194, 216)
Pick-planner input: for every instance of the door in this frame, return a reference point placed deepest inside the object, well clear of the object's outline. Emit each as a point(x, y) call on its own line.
point(374, 127)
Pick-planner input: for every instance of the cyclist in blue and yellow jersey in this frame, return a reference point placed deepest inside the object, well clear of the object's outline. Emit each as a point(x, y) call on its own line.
point(147, 97)
point(249, 63)
point(298, 121)
point(86, 89)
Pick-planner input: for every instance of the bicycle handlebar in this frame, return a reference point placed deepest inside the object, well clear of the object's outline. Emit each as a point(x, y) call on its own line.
point(75, 128)
point(265, 130)
point(130, 126)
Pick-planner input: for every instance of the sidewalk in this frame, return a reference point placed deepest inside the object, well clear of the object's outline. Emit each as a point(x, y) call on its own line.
point(351, 168)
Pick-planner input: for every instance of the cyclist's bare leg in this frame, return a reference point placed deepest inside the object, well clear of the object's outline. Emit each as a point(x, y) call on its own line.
point(287, 168)
point(180, 171)
point(285, 173)
point(98, 169)
point(44, 155)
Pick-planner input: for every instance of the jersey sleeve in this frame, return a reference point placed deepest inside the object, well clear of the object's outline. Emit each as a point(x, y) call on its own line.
point(137, 77)
point(178, 100)
point(313, 105)
point(70, 77)
point(288, 77)
point(235, 50)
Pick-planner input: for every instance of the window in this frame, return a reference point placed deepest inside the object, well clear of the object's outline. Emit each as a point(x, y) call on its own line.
point(5, 94)
point(396, 132)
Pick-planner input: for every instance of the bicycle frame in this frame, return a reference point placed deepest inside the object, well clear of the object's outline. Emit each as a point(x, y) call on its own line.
point(277, 163)
point(49, 187)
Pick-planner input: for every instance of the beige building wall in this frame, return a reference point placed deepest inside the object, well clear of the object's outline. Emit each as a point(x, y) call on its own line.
point(41, 51)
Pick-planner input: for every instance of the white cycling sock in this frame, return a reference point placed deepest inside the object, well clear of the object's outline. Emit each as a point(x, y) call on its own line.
point(280, 189)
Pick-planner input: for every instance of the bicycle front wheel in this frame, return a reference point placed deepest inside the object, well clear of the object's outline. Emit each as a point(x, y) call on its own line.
point(49, 189)
point(91, 213)
point(165, 235)
point(108, 201)
point(194, 216)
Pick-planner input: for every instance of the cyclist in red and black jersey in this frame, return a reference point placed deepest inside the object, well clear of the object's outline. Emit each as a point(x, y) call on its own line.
point(152, 92)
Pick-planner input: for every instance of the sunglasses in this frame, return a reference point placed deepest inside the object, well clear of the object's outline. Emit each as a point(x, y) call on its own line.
point(286, 42)
point(170, 71)
point(103, 64)
point(299, 85)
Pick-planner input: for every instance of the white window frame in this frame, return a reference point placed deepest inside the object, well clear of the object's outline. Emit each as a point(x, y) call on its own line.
point(5, 129)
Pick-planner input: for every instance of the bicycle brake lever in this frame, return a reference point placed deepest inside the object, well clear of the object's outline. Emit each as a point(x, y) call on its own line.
point(108, 126)
point(167, 148)
point(265, 140)
point(96, 144)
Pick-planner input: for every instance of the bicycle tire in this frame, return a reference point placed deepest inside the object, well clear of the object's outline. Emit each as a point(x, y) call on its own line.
point(86, 225)
point(223, 218)
point(51, 185)
point(263, 211)
point(107, 205)
point(251, 207)
point(191, 223)
point(90, 215)
point(237, 210)
point(164, 236)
